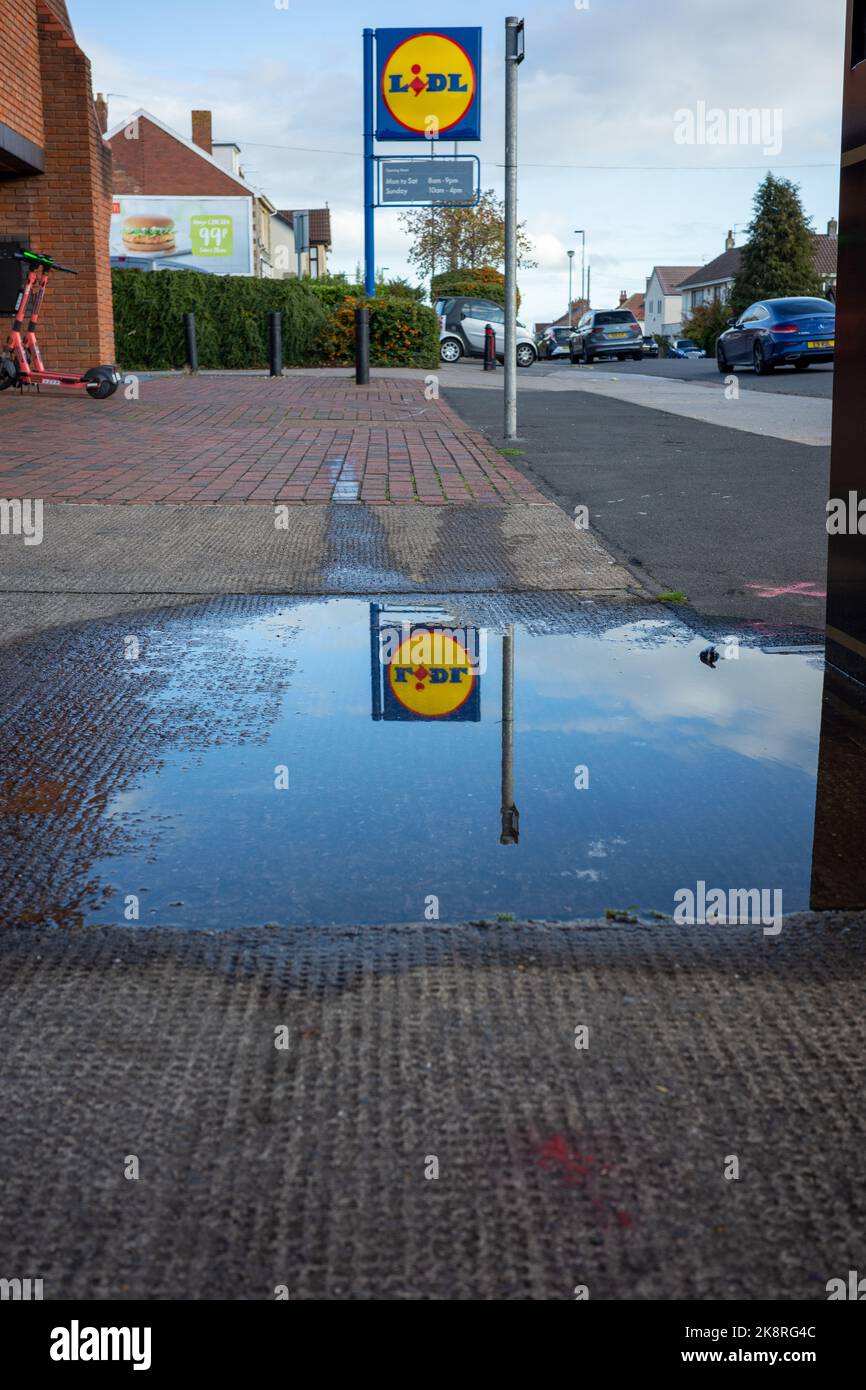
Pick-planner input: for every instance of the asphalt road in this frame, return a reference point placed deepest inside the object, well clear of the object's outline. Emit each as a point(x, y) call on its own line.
point(733, 520)
point(817, 381)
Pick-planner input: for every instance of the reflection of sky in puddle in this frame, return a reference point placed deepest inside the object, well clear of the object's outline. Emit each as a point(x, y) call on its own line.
point(694, 774)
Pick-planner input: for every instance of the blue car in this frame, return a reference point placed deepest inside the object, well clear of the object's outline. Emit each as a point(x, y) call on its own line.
point(779, 332)
point(684, 347)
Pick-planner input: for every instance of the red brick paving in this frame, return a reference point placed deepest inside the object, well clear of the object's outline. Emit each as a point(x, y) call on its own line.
point(249, 439)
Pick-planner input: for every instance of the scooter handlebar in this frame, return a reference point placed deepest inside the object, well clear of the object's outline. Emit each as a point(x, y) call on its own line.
point(43, 260)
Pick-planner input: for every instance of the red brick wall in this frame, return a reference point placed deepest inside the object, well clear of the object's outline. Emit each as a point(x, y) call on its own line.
point(147, 161)
point(65, 212)
point(20, 92)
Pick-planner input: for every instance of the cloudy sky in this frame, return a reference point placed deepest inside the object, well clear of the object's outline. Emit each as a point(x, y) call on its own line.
point(600, 90)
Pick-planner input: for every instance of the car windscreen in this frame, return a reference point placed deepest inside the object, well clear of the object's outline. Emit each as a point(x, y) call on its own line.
point(614, 316)
point(686, 343)
point(562, 335)
point(793, 307)
point(442, 306)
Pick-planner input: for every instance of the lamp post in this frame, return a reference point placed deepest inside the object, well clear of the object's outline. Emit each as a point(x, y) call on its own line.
point(570, 255)
point(578, 231)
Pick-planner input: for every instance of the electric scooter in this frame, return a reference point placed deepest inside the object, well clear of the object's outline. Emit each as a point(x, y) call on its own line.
point(20, 361)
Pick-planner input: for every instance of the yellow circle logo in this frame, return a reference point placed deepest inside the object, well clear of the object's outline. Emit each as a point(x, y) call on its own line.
point(431, 674)
point(428, 83)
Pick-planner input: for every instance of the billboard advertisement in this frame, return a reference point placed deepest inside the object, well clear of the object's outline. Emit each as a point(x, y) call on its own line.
point(212, 234)
point(429, 84)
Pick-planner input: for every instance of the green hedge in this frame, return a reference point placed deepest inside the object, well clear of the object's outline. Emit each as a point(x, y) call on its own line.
point(231, 318)
point(332, 290)
point(403, 333)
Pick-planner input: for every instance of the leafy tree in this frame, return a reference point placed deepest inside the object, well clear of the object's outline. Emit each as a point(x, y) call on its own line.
point(707, 322)
point(468, 235)
point(779, 258)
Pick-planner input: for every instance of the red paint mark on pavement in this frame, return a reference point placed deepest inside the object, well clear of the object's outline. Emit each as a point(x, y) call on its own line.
point(806, 587)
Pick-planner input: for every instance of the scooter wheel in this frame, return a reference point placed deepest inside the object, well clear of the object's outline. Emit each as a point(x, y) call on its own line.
point(100, 382)
point(8, 374)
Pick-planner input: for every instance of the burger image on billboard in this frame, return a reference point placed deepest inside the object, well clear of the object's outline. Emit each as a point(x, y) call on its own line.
point(148, 233)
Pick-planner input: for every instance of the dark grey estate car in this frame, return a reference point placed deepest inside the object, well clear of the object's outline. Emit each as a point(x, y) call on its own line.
point(607, 333)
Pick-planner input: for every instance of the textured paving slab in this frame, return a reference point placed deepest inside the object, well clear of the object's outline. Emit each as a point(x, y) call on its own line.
point(238, 438)
point(557, 1166)
point(336, 548)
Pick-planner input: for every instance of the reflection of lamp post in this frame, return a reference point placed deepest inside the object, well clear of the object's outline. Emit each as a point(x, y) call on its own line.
point(570, 255)
point(510, 814)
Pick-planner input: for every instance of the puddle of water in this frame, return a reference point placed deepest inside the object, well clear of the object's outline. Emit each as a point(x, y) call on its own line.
point(694, 771)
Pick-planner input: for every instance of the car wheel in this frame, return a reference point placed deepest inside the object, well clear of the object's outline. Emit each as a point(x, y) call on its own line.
point(802, 366)
point(588, 357)
point(574, 359)
point(721, 360)
point(525, 355)
point(762, 366)
point(620, 357)
point(450, 350)
point(637, 357)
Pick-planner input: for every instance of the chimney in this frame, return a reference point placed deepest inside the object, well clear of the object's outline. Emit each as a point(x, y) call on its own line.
point(622, 297)
point(101, 112)
point(202, 131)
point(729, 242)
point(833, 228)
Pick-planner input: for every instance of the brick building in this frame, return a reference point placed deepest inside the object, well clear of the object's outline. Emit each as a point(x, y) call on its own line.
point(151, 159)
point(55, 178)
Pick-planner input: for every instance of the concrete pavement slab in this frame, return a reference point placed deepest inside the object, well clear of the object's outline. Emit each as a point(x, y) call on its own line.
point(325, 548)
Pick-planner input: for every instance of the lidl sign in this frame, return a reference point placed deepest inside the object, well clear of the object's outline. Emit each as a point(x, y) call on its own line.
point(431, 675)
point(429, 84)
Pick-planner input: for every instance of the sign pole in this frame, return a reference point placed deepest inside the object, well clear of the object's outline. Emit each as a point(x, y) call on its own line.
point(513, 56)
point(369, 169)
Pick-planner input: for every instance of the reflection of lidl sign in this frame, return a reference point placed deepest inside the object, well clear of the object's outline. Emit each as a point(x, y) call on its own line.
point(429, 672)
point(431, 675)
point(429, 84)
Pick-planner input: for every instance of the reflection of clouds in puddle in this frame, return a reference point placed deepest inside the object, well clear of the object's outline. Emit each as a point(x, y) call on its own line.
point(600, 849)
point(760, 706)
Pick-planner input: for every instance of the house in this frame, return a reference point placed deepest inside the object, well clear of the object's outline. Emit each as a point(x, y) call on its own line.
point(636, 303)
point(314, 261)
point(578, 309)
point(153, 161)
point(55, 180)
point(664, 302)
point(712, 283)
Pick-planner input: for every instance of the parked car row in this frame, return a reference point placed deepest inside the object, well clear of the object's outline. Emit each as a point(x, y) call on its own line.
point(771, 333)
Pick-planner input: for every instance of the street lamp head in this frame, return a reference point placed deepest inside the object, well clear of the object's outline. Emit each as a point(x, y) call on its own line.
point(569, 254)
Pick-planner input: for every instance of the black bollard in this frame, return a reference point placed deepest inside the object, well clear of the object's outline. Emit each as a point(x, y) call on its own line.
point(362, 347)
point(191, 345)
point(489, 348)
point(275, 342)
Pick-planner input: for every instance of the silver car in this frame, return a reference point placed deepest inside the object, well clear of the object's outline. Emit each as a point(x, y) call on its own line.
point(462, 323)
